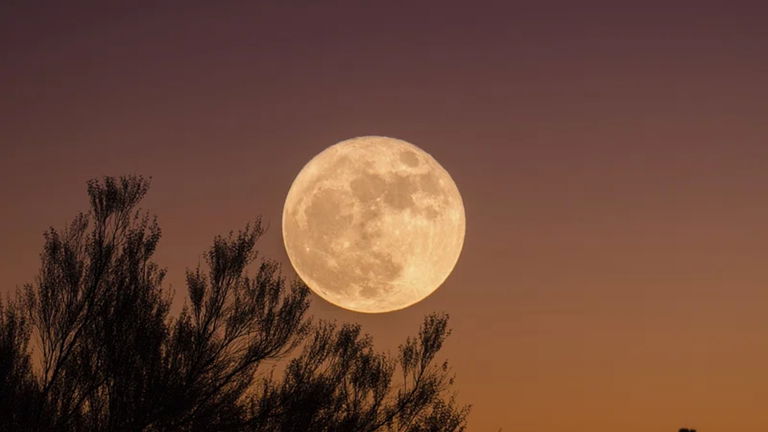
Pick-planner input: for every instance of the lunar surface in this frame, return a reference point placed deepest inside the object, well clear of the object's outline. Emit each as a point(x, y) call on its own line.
point(373, 224)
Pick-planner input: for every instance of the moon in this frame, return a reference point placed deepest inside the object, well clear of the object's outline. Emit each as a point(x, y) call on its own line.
point(373, 224)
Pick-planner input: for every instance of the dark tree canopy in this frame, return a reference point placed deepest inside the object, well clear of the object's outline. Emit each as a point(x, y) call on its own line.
point(91, 345)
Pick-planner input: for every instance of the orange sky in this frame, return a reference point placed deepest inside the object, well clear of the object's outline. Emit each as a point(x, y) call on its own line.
point(613, 161)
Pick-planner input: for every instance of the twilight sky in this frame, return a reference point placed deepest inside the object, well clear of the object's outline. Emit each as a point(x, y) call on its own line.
point(613, 161)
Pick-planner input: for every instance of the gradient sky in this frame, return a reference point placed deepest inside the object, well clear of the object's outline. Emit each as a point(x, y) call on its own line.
point(613, 162)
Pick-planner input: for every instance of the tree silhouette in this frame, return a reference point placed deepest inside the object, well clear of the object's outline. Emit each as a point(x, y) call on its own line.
point(109, 355)
point(18, 390)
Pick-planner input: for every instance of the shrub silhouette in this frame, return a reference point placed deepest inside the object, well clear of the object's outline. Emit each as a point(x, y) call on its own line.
point(108, 355)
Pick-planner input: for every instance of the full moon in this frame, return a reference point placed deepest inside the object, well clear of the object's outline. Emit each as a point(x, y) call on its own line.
point(373, 224)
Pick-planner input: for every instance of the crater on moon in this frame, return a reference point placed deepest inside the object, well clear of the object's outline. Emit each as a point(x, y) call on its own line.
point(373, 224)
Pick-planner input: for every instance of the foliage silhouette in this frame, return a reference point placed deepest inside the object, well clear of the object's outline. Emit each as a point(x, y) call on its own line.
point(110, 357)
